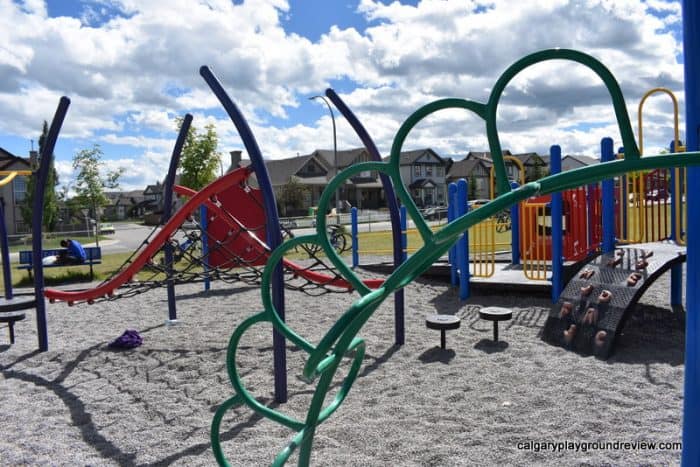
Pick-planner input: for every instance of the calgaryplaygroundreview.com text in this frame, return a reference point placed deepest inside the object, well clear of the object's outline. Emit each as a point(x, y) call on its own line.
point(584, 446)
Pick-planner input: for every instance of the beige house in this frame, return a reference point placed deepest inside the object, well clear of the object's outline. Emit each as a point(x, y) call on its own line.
point(14, 193)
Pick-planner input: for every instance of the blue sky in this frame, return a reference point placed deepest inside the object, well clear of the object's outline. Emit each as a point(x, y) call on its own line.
point(131, 67)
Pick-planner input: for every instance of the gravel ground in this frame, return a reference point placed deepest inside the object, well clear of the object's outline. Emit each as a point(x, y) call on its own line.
point(476, 403)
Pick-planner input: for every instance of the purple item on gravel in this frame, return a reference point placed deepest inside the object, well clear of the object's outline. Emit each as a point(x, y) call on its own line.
point(128, 340)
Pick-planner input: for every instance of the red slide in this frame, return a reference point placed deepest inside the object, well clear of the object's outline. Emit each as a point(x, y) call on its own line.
point(204, 196)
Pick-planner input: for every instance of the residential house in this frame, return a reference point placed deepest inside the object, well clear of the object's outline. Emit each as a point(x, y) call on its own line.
point(476, 172)
point(535, 165)
point(424, 173)
point(570, 162)
point(13, 194)
point(126, 204)
point(363, 190)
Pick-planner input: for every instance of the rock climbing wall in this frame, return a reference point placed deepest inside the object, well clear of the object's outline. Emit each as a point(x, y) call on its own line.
point(593, 307)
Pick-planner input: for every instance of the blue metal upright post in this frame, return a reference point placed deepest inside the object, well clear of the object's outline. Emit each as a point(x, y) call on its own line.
point(355, 242)
point(463, 242)
point(5, 251)
point(557, 227)
point(452, 215)
point(607, 154)
point(691, 401)
point(204, 223)
point(677, 270)
point(404, 232)
point(515, 229)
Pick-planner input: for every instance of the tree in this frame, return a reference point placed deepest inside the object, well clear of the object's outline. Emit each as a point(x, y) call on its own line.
point(472, 186)
point(199, 158)
point(90, 184)
point(292, 195)
point(50, 214)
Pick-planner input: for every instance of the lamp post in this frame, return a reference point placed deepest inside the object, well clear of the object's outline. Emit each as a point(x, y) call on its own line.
point(335, 151)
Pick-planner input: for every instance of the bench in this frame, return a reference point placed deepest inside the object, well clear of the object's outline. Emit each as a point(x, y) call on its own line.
point(93, 256)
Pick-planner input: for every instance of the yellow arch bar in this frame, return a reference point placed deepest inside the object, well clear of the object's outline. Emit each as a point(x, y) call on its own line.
point(514, 160)
point(11, 174)
point(676, 148)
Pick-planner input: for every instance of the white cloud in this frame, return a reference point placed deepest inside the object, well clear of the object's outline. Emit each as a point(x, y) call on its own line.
point(130, 74)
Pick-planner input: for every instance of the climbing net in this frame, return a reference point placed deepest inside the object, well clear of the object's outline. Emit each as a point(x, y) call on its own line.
point(193, 253)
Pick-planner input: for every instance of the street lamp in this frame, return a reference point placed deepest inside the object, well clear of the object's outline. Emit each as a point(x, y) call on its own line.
point(335, 151)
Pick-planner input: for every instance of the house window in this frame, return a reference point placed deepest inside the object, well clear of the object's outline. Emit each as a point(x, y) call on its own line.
point(438, 171)
point(428, 170)
point(19, 188)
point(416, 170)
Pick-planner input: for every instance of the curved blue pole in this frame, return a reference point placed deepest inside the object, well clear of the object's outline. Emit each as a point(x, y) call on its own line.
point(168, 208)
point(557, 227)
point(691, 401)
point(38, 209)
point(392, 203)
point(274, 233)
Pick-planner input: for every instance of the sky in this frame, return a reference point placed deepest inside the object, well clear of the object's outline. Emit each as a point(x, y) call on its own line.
point(131, 68)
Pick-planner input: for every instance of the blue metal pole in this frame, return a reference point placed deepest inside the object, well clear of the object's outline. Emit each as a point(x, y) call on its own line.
point(204, 223)
point(392, 203)
point(404, 232)
point(5, 251)
point(674, 198)
point(557, 227)
point(463, 242)
point(452, 215)
point(38, 209)
point(607, 154)
point(272, 225)
point(677, 270)
point(515, 229)
point(355, 242)
point(691, 401)
point(168, 208)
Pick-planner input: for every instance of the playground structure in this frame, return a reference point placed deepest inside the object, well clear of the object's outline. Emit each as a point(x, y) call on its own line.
point(341, 340)
point(231, 238)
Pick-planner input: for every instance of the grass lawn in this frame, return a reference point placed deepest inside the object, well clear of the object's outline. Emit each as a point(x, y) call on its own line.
point(53, 241)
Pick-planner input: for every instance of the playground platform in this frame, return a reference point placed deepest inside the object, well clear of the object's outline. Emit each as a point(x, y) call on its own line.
point(506, 277)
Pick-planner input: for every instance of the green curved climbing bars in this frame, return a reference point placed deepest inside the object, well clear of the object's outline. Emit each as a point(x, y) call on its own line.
point(341, 340)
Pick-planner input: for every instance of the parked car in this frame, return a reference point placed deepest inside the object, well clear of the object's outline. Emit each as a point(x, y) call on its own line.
point(106, 229)
point(435, 213)
point(476, 203)
point(288, 223)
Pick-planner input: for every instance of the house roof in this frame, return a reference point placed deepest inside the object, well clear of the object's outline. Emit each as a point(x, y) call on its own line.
point(464, 168)
point(346, 157)
point(281, 170)
point(421, 183)
point(7, 160)
point(485, 156)
point(409, 157)
point(584, 160)
point(529, 158)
